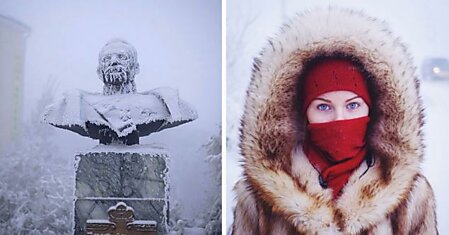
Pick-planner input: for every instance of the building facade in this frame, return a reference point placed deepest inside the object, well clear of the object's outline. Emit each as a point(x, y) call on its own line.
point(13, 36)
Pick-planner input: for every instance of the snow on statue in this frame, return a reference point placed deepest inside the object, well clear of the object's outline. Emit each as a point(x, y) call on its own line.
point(120, 114)
point(117, 66)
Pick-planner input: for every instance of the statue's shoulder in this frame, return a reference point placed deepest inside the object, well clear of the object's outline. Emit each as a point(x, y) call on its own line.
point(77, 95)
point(162, 92)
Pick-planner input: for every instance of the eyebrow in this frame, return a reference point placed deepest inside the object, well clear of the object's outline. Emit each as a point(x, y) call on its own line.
point(325, 100)
point(355, 97)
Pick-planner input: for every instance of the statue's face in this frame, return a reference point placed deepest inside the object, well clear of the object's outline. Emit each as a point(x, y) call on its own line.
point(117, 63)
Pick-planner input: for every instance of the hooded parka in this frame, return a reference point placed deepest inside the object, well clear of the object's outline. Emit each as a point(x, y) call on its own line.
point(280, 191)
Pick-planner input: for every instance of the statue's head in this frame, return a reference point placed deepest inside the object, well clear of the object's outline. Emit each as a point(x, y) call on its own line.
point(117, 66)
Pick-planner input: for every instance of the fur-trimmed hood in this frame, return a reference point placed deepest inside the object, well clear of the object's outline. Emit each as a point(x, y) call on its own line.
point(275, 169)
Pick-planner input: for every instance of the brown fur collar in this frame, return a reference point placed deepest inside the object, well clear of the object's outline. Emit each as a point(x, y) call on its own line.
point(278, 173)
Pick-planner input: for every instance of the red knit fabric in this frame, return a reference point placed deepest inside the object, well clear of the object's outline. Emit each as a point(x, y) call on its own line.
point(333, 74)
point(336, 148)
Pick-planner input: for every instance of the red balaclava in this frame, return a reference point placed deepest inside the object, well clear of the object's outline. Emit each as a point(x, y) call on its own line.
point(335, 148)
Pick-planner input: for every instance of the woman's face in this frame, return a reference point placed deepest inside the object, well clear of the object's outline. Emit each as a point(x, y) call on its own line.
point(336, 105)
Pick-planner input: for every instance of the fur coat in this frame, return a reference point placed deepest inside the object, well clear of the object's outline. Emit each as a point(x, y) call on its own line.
point(279, 192)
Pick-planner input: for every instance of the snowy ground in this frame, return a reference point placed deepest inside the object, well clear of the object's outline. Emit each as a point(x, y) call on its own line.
point(436, 129)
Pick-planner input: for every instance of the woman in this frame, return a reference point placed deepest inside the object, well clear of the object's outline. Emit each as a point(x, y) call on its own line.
point(331, 133)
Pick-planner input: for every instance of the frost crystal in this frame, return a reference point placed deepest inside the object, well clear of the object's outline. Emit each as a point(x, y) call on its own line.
point(117, 66)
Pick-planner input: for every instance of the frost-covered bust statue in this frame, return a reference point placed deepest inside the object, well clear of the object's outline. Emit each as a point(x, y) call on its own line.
point(120, 114)
point(117, 66)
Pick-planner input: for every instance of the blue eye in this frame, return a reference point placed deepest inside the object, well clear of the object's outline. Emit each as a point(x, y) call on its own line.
point(353, 105)
point(323, 107)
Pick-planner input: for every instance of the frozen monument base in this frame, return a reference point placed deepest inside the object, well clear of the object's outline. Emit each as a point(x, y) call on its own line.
point(135, 175)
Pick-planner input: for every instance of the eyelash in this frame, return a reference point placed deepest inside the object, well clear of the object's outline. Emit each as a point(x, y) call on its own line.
point(326, 107)
point(348, 106)
point(323, 107)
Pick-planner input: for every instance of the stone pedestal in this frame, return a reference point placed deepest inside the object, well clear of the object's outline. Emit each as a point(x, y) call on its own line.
point(135, 175)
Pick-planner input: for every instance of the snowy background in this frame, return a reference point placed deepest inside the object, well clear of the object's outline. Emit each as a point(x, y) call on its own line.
point(422, 25)
point(178, 45)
